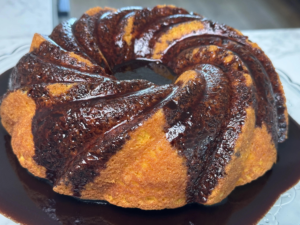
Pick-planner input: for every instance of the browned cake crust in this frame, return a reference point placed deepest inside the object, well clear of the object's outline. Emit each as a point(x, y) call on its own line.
point(134, 143)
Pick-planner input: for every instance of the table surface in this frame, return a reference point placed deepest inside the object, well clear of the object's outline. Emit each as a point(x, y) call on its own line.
point(281, 45)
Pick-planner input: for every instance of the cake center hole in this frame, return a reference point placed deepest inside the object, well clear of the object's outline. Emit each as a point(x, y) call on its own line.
point(151, 71)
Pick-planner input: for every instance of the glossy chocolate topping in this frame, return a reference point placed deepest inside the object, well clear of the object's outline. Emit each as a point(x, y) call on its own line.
point(64, 37)
point(95, 113)
point(198, 125)
point(83, 127)
point(33, 70)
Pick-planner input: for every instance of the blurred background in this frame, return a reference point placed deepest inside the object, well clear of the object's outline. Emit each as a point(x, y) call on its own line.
point(241, 14)
point(42, 15)
point(20, 19)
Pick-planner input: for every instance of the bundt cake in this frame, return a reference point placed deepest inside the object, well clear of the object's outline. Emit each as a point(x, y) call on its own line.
point(134, 143)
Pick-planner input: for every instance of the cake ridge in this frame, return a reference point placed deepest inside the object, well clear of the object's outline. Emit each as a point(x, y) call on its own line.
point(34, 70)
point(64, 37)
point(48, 50)
point(241, 52)
point(86, 27)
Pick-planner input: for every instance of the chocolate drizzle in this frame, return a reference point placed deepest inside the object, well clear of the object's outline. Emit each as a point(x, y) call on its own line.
point(263, 73)
point(71, 127)
point(85, 126)
point(63, 36)
point(85, 32)
point(33, 70)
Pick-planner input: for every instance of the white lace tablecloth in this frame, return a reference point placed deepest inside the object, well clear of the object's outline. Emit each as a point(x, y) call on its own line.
point(282, 46)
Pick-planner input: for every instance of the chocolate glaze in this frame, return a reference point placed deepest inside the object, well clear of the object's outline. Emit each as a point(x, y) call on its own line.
point(208, 141)
point(270, 102)
point(33, 70)
point(142, 42)
point(89, 164)
point(64, 37)
point(84, 31)
point(28, 200)
point(50, 52)
point(143, 20)
point(106, 29)
point(81, 117)
point(189, 108)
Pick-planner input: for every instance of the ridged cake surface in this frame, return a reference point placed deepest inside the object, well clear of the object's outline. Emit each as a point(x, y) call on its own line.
point(134, 143)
